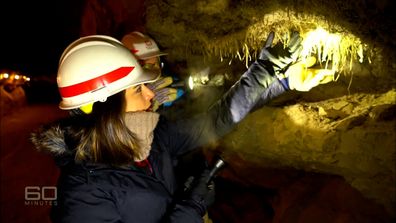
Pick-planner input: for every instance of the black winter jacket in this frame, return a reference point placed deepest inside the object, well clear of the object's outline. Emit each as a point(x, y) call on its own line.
point(98, 193)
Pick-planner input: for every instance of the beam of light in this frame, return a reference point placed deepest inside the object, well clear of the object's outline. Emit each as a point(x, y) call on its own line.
point(325, 45)
point(191, 83)
point(333, 48)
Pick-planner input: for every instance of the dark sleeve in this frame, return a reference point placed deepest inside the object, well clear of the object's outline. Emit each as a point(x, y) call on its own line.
point(255, 87)
point(86, 205)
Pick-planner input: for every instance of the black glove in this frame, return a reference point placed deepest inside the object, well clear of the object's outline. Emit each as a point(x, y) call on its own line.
point(280, 56)
point(201, 195)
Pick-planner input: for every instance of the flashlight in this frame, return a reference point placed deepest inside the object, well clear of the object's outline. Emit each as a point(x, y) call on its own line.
point(189, 83)
point(219, 164)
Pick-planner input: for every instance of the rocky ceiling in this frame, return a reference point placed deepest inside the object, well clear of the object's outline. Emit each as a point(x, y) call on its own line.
point(345, 128)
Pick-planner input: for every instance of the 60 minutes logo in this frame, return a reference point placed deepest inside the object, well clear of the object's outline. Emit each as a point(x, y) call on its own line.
point(35, 195)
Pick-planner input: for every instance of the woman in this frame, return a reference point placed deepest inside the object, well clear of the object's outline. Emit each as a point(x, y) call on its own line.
point(117, 162)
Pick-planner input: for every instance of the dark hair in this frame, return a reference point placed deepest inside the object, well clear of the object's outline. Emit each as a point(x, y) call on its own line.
point(104, 137)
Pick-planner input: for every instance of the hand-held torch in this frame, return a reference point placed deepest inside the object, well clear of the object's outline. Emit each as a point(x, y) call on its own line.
point(215, 169)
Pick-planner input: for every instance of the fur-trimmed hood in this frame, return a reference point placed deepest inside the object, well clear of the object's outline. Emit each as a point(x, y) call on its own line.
point(51, 139)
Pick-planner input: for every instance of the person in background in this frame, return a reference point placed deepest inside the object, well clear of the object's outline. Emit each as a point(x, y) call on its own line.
point(117, 161)
point(146, 50)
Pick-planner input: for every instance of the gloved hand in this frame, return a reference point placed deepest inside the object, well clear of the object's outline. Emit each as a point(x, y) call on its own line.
point(163, 94)
point(201, 194)
point(302, 77)
point(280, 56)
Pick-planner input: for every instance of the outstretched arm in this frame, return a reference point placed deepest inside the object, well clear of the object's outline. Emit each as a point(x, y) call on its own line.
point(262, 82)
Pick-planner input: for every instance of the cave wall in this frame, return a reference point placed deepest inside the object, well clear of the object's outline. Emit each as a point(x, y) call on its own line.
point(346, 127)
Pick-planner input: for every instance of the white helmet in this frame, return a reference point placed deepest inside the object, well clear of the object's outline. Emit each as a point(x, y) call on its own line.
point(95, 67)
point(142, 46)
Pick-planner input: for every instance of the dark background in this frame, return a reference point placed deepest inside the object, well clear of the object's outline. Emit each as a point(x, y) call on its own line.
point(34, 33)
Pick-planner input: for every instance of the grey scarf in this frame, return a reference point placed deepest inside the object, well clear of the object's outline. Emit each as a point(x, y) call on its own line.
point(142, 124)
